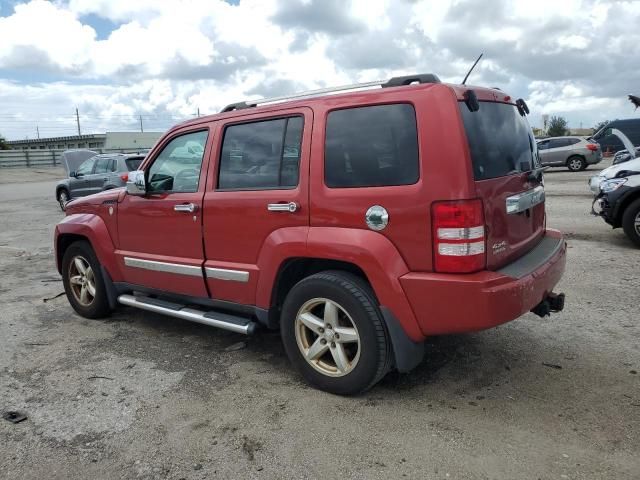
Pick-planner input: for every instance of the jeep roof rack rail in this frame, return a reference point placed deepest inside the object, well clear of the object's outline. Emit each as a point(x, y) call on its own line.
point(393, 82)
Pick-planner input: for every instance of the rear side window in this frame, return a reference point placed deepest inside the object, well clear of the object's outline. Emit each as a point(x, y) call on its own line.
point(573, 141)
point(261, 155)
point(500, 140)
point(133, 163)
point(371, 146)
point(102, 165)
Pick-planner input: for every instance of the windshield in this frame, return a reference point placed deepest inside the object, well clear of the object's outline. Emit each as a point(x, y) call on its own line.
point(500, 140)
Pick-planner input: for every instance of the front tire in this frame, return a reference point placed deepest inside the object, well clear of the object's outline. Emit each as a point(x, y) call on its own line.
point(333, 333)
point(63, 198)
point(576, 164)
point(631, 222)
point(83, 282)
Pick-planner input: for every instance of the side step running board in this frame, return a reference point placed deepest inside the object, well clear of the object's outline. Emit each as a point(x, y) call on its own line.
point(212, 318)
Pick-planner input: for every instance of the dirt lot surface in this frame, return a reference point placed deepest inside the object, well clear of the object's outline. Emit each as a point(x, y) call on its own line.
point(139, 395)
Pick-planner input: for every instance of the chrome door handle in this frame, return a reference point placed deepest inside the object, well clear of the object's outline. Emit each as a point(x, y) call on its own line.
point(283, 207)
point(185, 207)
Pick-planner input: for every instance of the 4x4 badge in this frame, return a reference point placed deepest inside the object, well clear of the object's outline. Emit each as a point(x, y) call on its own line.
point(377, 218)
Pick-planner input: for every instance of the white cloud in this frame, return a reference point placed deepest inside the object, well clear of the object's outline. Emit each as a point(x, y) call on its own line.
point(169, 57)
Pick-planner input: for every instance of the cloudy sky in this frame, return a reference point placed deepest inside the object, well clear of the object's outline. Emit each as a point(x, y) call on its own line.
point(117, 60)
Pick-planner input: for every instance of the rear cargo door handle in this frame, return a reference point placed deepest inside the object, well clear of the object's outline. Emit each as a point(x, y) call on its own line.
point(290, 207)
point(186, 208)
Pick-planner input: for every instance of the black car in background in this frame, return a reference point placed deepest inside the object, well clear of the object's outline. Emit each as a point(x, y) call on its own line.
point(100, 172)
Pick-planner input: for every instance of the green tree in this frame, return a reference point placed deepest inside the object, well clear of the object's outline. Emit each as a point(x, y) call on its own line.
point(557, 127)
point(3, 144)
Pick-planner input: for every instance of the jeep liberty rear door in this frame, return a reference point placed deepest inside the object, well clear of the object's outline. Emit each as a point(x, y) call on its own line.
point(503, 152)
point(160, 234)
point(257, 197)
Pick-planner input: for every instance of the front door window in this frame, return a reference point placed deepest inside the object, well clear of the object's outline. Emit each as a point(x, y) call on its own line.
point(177, 167)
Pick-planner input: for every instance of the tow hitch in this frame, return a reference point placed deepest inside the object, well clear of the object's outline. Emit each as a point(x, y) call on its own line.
point(554, 302)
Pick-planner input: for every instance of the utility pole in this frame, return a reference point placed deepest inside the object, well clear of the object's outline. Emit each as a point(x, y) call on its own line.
point(78, 121)
point(198, 112)
point(38, 132)
point(141, 129)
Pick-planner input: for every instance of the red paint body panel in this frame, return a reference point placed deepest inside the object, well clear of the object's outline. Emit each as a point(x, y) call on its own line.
point(445, 303)
point(237, 222)
point(94, 229)
point(409, 226)
point(520, 232)
point(377, 257)
point(150, 229)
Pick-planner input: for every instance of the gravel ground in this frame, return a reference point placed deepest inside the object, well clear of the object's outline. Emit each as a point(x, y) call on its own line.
point(140, 395)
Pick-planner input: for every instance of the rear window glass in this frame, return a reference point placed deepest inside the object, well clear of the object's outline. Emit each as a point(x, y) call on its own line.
point(500, 140)
point(133, 163)
point(371, 146)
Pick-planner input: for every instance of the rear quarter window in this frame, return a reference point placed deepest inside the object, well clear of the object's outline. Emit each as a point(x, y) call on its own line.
point(133, 163)
point(371, 146)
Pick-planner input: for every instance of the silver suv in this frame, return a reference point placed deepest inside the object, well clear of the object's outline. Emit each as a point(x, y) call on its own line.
point(575, 153)
point(100, 172)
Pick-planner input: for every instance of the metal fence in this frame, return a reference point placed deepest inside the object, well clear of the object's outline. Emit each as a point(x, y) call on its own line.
point(43, 158)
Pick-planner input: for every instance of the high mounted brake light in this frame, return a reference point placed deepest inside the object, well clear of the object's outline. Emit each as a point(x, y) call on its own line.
point(458, 236)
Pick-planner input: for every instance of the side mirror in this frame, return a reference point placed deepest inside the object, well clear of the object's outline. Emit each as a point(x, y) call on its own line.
point(136, 184)
point(72, 174)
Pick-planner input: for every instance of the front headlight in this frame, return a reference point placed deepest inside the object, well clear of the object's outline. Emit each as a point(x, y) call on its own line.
point(610, 185)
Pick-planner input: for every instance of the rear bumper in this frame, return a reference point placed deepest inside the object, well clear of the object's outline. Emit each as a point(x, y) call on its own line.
point(595, 157)
point(446, 303)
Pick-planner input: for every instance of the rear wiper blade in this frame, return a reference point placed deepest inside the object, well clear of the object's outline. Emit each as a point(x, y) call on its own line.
point(535, 175)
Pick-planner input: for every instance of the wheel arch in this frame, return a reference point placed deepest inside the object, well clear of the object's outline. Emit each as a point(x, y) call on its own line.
point(623, 204)
point(367, 254)
point(62, 187)
point(574, 155)
point(92, 229)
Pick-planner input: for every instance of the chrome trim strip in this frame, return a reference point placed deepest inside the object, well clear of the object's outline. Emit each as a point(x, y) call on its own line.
point(166, 267)
point(224, 274)
point(525, 200)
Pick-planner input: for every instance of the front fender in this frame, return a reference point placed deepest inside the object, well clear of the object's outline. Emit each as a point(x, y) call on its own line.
point(93, 228)
point(370, 251)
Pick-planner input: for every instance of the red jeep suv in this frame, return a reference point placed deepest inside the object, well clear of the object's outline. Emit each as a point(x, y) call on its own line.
point(358, 223)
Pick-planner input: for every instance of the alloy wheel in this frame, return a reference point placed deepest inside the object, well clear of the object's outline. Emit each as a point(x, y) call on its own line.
point(327, 337)
point(636, 223)
point(63, 198)
point(575, 164)
point(82, 281)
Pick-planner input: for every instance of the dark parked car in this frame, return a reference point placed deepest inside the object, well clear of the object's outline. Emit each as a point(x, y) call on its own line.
point(610, 142)
point(100, 172)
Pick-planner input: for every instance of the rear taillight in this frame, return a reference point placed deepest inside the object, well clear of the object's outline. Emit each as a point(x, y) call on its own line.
point(458, 236)
point(124, 177)
point(592, 146)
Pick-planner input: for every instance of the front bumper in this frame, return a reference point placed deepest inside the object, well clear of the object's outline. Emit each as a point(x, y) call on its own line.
point(448, 303)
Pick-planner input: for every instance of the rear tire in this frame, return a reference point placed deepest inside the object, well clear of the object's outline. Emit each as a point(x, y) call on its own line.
point(631, 222)
point(62, 197)
point(576, 164)
point(83, 282)
point(333, 333)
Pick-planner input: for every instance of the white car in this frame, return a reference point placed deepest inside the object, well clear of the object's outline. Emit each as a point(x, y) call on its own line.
point(611, 172)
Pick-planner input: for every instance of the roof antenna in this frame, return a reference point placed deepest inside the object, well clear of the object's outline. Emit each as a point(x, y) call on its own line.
point(471, 69)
